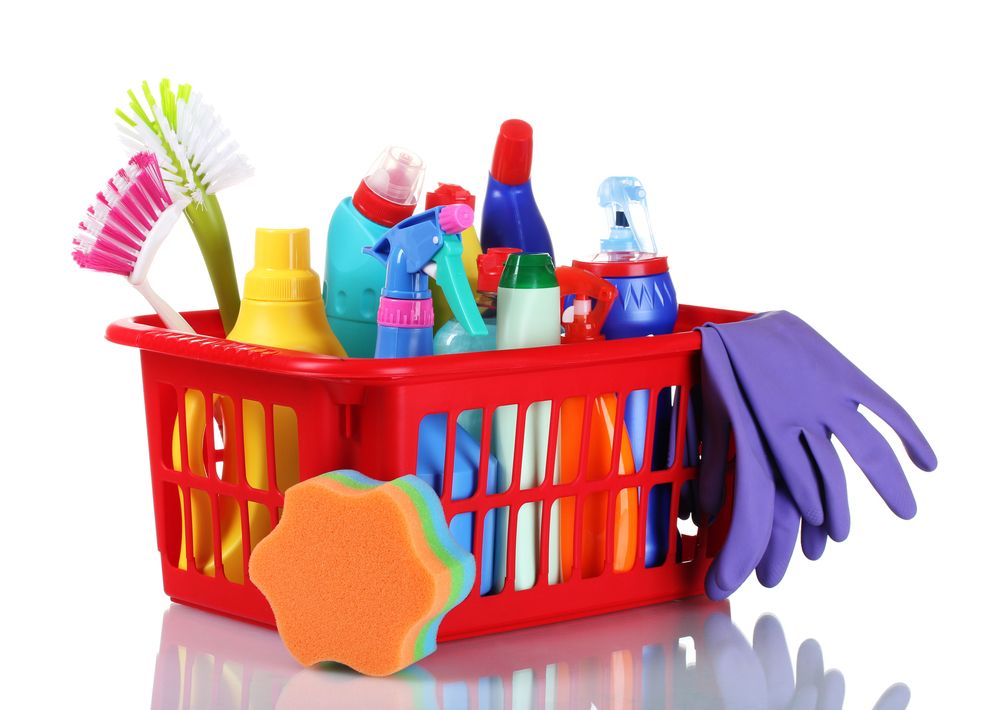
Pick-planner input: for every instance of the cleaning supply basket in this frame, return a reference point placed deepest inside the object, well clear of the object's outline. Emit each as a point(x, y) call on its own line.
point(365, 414)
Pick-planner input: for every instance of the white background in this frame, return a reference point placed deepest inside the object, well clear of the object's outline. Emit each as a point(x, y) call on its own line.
point(839, 160)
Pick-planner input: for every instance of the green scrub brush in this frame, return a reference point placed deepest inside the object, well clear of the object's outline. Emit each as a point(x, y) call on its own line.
point(197, 158)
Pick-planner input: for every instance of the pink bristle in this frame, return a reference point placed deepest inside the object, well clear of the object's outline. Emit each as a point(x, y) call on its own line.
point(151, 179)
point(115, 227)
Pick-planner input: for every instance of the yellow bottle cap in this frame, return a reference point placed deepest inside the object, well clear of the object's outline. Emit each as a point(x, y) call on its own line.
point(281, 270)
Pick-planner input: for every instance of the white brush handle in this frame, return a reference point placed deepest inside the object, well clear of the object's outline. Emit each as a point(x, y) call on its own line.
point(164, 223)
point(171, 318)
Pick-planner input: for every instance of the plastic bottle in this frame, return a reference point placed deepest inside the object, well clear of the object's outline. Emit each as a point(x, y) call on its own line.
point(455, 195)
point(452, 337)
point(646, 305)
point(282, 307)
point(527, 317)
point(591, 298)
point(510, 214)
point(421, 245)
point(384, 198)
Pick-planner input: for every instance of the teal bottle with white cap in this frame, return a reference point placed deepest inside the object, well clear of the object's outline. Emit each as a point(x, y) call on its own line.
point(528, 316)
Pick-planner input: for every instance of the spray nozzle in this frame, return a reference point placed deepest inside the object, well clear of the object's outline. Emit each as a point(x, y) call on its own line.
point(584, 318)
point(629, 231)
point(428, 244)
point(397, 175)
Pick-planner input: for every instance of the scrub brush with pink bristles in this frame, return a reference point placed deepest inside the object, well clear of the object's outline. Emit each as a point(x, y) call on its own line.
point(126, 225)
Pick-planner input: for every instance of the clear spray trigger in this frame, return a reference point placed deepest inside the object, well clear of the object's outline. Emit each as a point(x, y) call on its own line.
point(629, 231)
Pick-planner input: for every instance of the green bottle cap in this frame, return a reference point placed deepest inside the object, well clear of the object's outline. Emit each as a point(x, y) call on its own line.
point(529, 271)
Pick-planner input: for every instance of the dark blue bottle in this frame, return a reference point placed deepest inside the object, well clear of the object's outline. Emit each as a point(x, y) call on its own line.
point(510, 215)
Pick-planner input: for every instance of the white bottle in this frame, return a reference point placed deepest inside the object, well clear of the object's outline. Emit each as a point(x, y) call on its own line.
point(528, 316)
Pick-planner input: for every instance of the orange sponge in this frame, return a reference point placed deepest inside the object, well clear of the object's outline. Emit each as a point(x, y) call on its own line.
point(361, 572)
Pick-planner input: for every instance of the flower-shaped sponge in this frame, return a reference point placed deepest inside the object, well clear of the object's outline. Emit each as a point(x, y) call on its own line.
point(361, 572)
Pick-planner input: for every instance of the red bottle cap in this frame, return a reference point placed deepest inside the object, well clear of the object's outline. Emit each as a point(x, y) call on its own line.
point(512, 155)
point(649, 266)
point(587, 319)
point(491, 266)
point(446, 194)
point(378, 209)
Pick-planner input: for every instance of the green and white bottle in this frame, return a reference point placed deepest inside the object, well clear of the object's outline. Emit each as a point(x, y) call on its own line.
point(528, 316)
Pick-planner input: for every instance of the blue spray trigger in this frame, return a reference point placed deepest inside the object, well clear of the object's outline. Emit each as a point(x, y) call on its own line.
point(406, 250)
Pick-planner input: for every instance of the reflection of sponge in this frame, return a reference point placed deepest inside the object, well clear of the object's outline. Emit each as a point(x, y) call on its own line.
point(361, 572)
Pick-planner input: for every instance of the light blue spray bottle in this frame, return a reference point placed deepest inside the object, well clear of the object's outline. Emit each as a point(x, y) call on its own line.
point(428, 244)
point(352, 281)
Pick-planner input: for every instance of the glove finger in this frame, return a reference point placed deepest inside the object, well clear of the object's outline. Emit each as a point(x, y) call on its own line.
point(736, 669)
point(716, 433)
point(809, 664)
point(691, 430)
point(813, 541)
point(837, 512)
point(805, 698)
point(712, 589)
point(753, 494)
point(799, 474)
point(832, 691)
point(771, 648)
point(897, 697)
point(873, 455)
point(784, 532)
point(753, 514)
point(889, 410)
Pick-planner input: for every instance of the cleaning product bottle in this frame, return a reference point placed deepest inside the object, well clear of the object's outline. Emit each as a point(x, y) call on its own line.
point(282, 307)
point(510, 214)
point(452, 337)
point(420, 246)
point(454, 195)
point(591, 298)
point(387, 196)
point(527, 317)
point(424, 245)
point(646, 305)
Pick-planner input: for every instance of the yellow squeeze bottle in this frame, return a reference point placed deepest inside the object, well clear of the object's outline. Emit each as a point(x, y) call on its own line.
point(283, 308)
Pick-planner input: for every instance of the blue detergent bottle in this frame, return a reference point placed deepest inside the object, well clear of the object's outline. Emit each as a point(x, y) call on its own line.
point(646, 305)
point(428, 245)
point(510, 215)
point(352, 280)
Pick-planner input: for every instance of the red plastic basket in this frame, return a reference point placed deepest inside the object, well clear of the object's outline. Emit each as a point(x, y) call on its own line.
point(365, 414)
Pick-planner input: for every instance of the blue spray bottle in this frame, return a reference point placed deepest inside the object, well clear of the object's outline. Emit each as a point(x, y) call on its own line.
point(510, 216)
point(351, 283)
point(428, 244)
point(646, 305)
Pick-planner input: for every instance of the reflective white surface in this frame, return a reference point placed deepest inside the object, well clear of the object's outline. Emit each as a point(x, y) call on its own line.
point(838, 160)
point(687, 654)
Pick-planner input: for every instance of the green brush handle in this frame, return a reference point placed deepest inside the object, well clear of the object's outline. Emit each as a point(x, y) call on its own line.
point(209, 229)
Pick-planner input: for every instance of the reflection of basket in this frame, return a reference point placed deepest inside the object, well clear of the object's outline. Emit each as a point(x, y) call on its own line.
point(365, 414)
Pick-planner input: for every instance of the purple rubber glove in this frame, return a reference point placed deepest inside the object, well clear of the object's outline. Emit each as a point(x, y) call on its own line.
point(723, 413)
point(801, 390)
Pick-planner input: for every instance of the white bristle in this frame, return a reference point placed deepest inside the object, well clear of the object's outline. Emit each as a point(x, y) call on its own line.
point(198, 158)
point(209, 147)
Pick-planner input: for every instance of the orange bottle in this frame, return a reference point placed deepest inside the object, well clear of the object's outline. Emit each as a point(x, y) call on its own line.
point(582, 325)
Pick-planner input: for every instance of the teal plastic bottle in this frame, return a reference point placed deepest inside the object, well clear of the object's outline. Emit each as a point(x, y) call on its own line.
point(353, 280)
